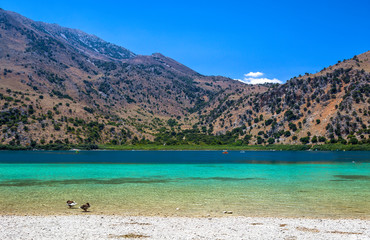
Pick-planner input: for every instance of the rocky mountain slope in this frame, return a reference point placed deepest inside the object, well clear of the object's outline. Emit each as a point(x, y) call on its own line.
point(332, 104)
point(61, 85)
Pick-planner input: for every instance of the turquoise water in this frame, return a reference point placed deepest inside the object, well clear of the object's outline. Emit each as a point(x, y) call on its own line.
point(198, 183)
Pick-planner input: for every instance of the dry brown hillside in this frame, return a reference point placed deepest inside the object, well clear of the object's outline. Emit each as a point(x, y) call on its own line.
point(61, 85)
point(332, 104)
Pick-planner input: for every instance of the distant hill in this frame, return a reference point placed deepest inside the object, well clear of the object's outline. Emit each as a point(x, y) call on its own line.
point(61, 85)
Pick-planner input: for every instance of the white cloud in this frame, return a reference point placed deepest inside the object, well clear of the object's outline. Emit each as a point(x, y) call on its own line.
point(253, 78)
point(260, 80)
point(253, 74)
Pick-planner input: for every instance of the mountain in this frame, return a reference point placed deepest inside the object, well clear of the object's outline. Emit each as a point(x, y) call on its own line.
point(61, 85)
point(332, 104)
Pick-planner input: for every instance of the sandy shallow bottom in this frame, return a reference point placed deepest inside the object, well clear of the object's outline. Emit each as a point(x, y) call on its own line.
point(123, 227)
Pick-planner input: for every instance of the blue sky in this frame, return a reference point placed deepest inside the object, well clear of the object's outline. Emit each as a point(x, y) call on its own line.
point(279, 39)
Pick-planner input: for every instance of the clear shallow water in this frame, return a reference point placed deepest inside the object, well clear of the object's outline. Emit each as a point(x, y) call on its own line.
point(284, 184)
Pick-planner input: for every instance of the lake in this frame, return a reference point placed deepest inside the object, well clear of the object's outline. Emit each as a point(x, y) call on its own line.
point(187, 183)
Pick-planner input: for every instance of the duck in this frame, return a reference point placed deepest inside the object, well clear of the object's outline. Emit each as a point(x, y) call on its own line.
point(71, 203)
point(85, 207)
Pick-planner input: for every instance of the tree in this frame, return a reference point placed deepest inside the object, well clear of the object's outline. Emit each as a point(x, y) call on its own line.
point(33, 143)
point(204, 129)
point(259, 140)
point(247, 138)
point(343, 141)
point(353, 140)
point(292, 127)
point(268, 122)
point(134, 141)
point(305, 140)
point(289, 115)
point(322, 139)
point(171, 122)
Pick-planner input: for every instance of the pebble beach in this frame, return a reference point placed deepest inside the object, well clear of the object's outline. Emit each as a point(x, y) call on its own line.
point(140, 227)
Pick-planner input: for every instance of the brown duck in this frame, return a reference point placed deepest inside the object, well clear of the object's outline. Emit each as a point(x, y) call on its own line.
point(71, 203)
point(85, 207)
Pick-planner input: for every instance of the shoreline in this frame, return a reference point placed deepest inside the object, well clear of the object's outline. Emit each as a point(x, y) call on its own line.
point(155, 147)
point(220, 215)
point(144, 227)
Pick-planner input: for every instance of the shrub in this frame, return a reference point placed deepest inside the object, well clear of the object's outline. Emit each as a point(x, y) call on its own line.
point(271, 140)
point(305, 140)
point(292, 127)
point(259, 140)
point(289, 115)
point(268, 122)
point(89, 110)
point(171, 122)
point(353, 140)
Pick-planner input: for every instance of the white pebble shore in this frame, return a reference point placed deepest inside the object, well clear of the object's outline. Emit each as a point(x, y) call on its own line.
point(123, 227)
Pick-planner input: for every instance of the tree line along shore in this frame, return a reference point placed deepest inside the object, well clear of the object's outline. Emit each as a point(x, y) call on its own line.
point(271, 147)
